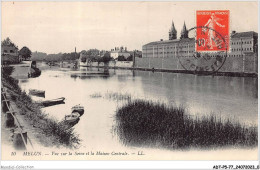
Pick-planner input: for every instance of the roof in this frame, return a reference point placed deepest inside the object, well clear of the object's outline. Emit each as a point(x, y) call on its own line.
point(119, 52)
point(187, 39)
point(8, 47)
point(173, 28)
point(184, 29)
point(170, 41)
point(245, 34)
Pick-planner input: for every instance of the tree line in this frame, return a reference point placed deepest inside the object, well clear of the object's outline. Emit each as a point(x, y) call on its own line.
point(91, 55)
point(40, 56)
point(25, 52)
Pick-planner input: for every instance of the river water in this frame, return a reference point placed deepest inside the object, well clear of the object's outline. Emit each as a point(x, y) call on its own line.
point(101, 92)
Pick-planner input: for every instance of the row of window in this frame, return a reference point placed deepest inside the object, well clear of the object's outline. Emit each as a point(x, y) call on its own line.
point(239, 55)
point(192, 50)
point(147, 56)
point(167, 52)
point(169, 47)
point(11, 51)
point(239, 49)
point(183, 47)
point(241, 42)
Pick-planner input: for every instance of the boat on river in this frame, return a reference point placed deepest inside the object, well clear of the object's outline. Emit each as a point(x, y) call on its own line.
point(47, 103)
point(73, 117)
point(78, 108)
point(39, 93)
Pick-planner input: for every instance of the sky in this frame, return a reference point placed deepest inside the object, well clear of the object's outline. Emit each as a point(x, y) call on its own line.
point(54, 27)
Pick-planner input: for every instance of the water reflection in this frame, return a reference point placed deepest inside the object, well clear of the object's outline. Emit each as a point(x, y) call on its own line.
point(228, 96)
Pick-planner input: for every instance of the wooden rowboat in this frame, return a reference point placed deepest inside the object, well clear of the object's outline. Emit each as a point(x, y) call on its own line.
point(72, 117)
point(39, 93)
point(78, 108)
point(47, 103)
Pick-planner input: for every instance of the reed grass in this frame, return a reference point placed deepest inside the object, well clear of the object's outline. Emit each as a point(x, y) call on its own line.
point(96, 95)
point(116, 96)
point(146, 123)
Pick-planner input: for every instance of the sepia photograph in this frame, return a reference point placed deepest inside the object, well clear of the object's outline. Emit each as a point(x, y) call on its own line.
point(130, 80)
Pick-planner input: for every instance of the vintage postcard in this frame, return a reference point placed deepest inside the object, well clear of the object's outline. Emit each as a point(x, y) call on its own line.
point(130, 81)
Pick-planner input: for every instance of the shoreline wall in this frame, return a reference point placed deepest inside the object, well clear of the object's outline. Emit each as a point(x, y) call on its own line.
point(172, 65)
point(246, 64)
point(125, 64)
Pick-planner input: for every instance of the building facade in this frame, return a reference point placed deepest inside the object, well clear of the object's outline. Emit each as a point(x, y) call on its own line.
point(240, 44)
point(119, 52)
point(241, 55)
point(9, 54)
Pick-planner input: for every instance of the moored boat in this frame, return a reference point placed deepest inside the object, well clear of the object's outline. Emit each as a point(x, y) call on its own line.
point(72, 117)
point(47, 103)
point(39, 93)
point(78, 108)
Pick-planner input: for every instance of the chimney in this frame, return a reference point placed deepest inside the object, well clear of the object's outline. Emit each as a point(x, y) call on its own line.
point(161, 39)
point(115, 48)
point(75, 52)
point(125, 49)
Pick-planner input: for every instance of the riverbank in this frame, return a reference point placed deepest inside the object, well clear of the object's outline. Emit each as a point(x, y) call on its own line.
point(46, 131)
point(200, 73)
point(24, 70)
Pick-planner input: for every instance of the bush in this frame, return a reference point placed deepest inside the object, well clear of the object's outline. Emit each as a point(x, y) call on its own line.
point(130, 58)
point(121, 58)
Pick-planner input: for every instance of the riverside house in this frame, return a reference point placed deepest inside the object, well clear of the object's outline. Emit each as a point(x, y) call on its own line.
point(9, 54)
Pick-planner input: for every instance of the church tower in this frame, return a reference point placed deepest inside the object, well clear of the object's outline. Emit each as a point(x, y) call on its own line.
point(184, 32)
point(172, 33)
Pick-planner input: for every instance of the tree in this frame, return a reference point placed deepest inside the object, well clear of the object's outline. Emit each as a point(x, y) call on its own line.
point(130, 58)
point(70, 56)
point(25, 52)
point(8, 42)
point(106, 57)
point(121, 58)
point(92, 52)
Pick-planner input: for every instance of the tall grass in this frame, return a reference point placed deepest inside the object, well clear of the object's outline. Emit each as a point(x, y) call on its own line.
point(116, 96)
point(7, 80)
point(48, 127)
point(96, 95)
point(145, 123)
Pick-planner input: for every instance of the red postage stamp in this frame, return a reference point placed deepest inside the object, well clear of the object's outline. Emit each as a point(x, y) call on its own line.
point(212, 30)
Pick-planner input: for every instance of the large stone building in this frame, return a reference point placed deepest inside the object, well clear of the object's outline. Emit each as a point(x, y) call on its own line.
point(241, 43)
point(119, 52)
point(171, 47)
point(241, 57)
